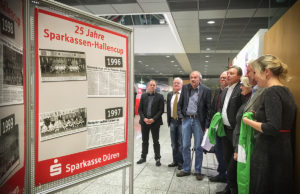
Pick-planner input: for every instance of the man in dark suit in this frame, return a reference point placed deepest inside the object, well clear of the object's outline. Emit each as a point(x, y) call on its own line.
point(231, 101)
point(193, 110)
point(175, 123)
point(215, 107)
point(150, 110)
point(252, 104)
point(255, 99)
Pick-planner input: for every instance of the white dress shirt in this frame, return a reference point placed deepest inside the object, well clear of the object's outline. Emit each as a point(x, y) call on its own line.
point(225, 105)
point(172, 101)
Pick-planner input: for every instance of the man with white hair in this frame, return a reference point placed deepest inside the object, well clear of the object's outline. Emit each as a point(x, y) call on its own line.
point(175, 123)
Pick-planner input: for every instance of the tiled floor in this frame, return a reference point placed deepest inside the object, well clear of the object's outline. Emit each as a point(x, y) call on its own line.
point(150, 179)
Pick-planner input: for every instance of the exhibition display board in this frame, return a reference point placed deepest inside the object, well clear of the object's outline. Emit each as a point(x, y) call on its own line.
point(12, 98)
point(82, 95)
point(81, 103)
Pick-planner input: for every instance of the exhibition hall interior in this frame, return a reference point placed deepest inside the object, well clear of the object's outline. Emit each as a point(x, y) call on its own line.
point(73, 78)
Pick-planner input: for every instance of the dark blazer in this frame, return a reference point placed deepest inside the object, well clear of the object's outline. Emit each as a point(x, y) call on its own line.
point(235, 101)
point(204, 103)
point(251, 105)
point(169, 97)
point(214, 108)
point(255, 101)
point(157, 108)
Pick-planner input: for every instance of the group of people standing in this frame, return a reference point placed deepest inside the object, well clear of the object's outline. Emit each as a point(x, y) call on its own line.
point(190, 109)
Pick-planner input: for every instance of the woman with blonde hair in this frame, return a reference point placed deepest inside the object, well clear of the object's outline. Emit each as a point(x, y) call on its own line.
point(271, 169)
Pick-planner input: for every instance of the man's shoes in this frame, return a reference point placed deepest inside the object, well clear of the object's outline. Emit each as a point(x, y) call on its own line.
point(172, 164)
point(158, 162)
point(218, 178)
point(142, 160)
point(199, 176)
point(179, 167)
point(182, 173)
point(225, 191)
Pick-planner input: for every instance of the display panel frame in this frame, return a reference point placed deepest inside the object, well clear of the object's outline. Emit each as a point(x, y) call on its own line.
point(12, 94)
point(39, 182)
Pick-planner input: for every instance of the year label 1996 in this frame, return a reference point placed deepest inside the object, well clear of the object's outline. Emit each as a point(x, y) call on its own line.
point(113, 61)
point(113, 112)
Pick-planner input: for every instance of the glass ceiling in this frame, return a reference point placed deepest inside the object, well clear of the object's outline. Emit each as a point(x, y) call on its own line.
point(145, 19)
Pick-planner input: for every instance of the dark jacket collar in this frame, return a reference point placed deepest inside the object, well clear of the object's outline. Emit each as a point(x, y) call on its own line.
point(153, 94)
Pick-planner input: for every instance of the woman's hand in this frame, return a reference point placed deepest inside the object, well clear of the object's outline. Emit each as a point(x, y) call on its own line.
point(254, 124)
point(245, 120)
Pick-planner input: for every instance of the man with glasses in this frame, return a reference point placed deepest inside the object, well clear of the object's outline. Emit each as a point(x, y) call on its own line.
point(215, 107)
point(193, 110)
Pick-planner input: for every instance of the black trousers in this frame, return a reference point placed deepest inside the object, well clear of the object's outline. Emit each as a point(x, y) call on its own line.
point(154, 128)
point(230, 163)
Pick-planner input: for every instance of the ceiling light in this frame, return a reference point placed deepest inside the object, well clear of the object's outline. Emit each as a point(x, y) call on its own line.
point(209, 38)
point(211, 22)
point(168, 56)
point(208, 49)
point(206, 61)
point(207, 56)
point(146, 65)
point(172, 61)
point(162, 21)
point(175, 65)
point(140, 61)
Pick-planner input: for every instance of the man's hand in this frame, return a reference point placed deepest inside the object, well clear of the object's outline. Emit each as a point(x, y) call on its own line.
point(146, 121)
point(151, 121)
point(235, 156)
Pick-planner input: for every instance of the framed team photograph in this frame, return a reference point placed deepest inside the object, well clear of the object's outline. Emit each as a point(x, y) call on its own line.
point(57, 65)
point(12, 67)
point(60, 123)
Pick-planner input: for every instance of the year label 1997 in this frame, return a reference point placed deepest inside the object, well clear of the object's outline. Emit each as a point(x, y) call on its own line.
point(113, 112)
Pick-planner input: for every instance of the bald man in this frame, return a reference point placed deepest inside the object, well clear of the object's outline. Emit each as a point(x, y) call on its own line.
point(150, 110)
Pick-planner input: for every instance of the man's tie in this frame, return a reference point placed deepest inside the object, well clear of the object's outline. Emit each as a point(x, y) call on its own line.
point(175, 106)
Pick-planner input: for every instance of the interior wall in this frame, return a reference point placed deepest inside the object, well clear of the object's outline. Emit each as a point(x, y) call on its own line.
point(283, 41)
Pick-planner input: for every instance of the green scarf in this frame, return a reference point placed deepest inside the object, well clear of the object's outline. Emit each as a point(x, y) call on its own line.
point(245, 149)
point(216, 128)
